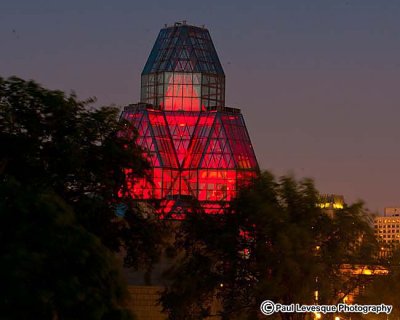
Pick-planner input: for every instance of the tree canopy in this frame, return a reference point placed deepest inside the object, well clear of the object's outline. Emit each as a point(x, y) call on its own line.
point(51, 267)
point(275, 243)
point(62, 178)
point(384, 289)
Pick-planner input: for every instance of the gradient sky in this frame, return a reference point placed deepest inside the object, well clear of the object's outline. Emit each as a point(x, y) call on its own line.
point(317, 81)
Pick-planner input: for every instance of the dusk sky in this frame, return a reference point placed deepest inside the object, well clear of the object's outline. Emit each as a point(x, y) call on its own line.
point(317, 81)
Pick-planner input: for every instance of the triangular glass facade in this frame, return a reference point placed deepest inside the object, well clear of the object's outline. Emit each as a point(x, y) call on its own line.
point(183, 71)
point(199, 149)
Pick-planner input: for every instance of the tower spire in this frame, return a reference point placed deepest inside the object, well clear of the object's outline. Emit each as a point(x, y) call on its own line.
point(183, 71)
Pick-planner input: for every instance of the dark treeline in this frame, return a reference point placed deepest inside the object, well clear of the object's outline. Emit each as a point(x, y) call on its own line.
point(62, 180)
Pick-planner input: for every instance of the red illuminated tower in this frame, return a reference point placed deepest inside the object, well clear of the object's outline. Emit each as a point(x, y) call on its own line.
point(199, 149)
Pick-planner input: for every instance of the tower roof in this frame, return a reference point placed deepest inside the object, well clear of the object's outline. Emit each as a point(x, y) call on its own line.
point(183, 48)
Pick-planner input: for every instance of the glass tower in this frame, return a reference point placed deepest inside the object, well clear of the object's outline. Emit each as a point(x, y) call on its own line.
point(200, 150)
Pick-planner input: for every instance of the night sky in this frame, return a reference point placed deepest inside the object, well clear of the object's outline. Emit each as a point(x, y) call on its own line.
point(317, 81)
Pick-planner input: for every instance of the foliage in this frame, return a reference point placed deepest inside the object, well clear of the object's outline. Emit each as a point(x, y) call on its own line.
point(384, 289)
point(275, 243)
point(50, 266)
point(68, 160)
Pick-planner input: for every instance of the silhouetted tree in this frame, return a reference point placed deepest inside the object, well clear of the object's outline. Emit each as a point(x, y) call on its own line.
point(384, 288)
point(50, 266)
point(275, 243)
point(68, 160)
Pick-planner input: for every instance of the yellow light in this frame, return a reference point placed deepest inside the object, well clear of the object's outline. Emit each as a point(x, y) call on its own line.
point(317, 315)
point(337, 318)
point(338, 205)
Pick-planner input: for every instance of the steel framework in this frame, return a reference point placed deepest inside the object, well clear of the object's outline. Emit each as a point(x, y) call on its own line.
point(199, 149)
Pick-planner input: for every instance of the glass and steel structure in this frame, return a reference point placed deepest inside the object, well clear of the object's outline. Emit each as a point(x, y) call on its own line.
point(183, 71)
point(199, 149)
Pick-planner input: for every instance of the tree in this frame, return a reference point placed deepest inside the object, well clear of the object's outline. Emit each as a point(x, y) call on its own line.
point(275, 243)
point(69, 153)
point(50, 266)
point(384, 288)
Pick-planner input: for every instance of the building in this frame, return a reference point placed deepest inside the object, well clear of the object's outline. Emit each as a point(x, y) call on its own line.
point(392, 211)
point(330, 203)
point(387, 228)
point(199, 149)
point(387, 231)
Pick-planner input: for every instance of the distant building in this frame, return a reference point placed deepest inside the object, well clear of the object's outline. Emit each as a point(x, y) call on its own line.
point(392, 212)
point(387, 231)
point(331, 203)
point(387, 228)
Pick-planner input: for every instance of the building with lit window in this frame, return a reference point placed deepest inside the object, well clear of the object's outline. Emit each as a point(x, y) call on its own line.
point(387, 228)
point(330, 203)
point(199, 149)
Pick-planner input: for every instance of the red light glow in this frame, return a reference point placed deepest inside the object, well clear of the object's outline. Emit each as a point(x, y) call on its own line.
point(195, 154)
point(181, 94)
